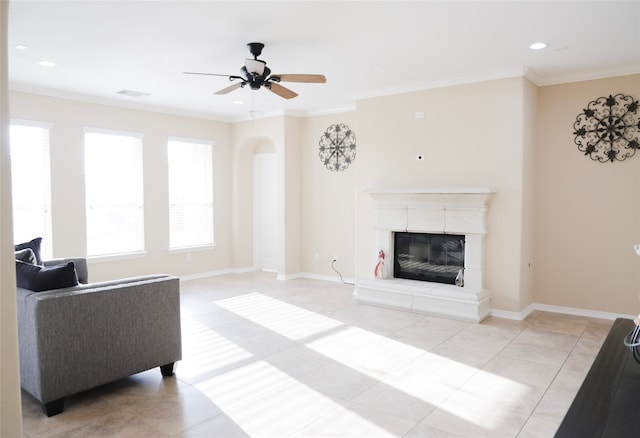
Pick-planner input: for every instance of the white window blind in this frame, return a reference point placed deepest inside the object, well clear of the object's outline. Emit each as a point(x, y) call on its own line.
point(114, 192)
point(190, 193)
point(31, 183)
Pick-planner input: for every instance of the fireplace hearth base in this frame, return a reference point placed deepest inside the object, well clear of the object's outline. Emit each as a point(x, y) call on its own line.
point(425, 297)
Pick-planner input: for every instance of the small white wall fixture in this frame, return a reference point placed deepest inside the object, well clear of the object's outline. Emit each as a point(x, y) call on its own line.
point(451, 210)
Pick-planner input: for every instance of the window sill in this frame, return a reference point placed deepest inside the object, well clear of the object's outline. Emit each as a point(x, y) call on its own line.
point(187, 249)
point(116, 257)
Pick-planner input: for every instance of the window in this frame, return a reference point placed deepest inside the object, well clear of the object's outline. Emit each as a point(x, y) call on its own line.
point(190, 193)
point(114, 192)
point(31, 183)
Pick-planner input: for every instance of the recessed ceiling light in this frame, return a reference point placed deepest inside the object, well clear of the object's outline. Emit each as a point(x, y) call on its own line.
point(21, 47)
point(47, 63)
point(239, 102)
point(538, 46)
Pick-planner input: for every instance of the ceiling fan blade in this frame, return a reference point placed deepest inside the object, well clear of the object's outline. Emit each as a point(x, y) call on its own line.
point(315, 79)
point(205, 74)
point(229, 89)
point(281, 91)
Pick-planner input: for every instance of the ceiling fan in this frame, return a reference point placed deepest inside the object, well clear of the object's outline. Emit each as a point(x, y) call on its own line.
point(256, 74)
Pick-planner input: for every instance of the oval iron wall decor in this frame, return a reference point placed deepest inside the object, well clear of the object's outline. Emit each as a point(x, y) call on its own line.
point(607, 129)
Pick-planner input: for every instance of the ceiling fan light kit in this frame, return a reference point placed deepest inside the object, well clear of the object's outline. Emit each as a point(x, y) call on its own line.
point(256, 74)
point(255, 66)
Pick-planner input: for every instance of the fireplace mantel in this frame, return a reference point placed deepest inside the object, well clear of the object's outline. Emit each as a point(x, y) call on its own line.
point(439, 195)
point(450, 210)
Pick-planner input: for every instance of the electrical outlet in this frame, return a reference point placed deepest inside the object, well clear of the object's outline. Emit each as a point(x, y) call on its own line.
point(189, 257)
point(637, 248)
point(335, 257)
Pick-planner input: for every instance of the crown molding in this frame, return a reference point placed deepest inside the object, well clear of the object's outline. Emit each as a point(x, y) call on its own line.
point(85, 98)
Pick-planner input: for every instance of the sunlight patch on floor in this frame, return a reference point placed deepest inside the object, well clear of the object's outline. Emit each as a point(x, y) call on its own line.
point(488, 401)
point(404, 368)
point(205, 350)
point(285, 319)
point(265, 401)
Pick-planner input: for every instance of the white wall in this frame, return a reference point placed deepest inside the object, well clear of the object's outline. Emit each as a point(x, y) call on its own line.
point(587, 214)
point(247, 139)
point(10, 406)
point(68, 210)
point(506, 134)
point(471, 136)
point(527, 269)
point(284, 133)
point(328, 203)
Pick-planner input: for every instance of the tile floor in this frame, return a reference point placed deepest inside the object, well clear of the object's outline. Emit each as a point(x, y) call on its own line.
point(299, 358)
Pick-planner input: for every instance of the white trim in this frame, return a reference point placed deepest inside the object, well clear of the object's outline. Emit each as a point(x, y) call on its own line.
point(590, 75)
point(114, 102)
point(107, 131)
point(116, 257)
point(331, 111)
point(202, 141)
point(195, 248)
point(290, 276)
point(34, 123)
point(581, 312)
point(309, 275)
point(497, 313)
point(461, 80)
point(519, 316)
point(217, 273)
point(319, 277)
point(332, 278)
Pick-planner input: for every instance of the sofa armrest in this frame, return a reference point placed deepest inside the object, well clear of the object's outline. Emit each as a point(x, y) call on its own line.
point(81, 266)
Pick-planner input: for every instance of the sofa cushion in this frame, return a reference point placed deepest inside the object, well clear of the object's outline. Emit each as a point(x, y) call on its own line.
point(34, 245)
point(26, 255)
point(39, 278)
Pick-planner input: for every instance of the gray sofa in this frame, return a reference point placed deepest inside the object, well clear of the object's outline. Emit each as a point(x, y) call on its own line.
point(80, 337)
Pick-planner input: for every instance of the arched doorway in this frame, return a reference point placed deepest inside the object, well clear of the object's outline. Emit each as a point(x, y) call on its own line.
point(265, 211)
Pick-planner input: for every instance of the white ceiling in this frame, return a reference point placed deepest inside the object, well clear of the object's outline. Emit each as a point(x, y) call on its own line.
point(364, 49)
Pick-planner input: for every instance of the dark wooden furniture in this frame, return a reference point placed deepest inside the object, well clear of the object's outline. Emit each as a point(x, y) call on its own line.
point(608, 402)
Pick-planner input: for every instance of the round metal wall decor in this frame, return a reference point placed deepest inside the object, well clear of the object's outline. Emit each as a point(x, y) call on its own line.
point(608, 128)
point(337, 147)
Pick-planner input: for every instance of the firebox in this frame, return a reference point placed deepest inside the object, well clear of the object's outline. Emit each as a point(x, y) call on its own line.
point(438, 258)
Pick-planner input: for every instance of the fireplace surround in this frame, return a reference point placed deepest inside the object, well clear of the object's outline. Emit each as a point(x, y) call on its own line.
point(444, 211)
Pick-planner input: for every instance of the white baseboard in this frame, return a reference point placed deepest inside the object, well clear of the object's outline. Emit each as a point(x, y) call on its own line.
point(582, 312)
point(519, 316)
point(506, 314)
point(217, 273)
point(289, 276)
point(333, 278)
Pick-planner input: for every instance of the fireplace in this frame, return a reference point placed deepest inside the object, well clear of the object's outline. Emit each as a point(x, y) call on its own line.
point(455, 220)
point(437, 258)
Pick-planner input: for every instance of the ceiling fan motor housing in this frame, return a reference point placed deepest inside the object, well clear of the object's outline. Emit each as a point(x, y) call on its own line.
point(255, 49)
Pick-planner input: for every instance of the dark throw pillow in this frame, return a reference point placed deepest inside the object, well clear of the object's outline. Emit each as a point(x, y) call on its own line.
point(34, 245)
point(26, 255)
point(41, 278)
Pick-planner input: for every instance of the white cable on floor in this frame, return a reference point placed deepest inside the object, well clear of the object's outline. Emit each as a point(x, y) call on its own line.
point(339, 274)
